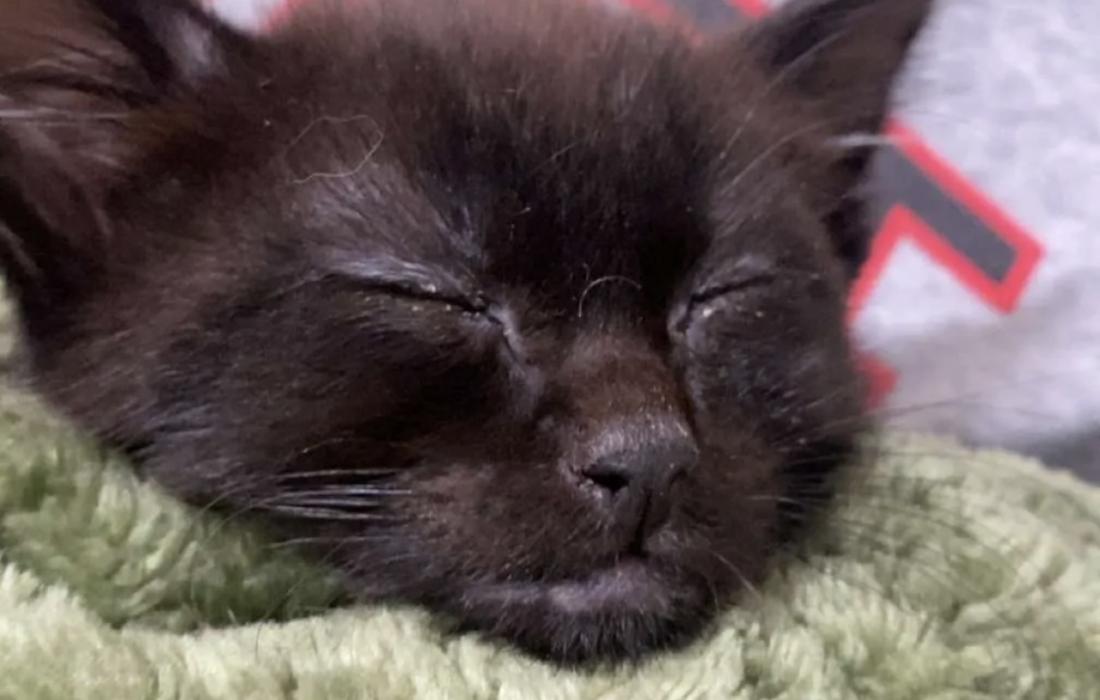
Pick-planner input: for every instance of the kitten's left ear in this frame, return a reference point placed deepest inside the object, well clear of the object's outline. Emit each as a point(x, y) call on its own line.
point(92, 89)
point(836, 62)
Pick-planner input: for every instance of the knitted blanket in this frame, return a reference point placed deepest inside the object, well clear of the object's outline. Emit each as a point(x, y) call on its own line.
point(939, 573)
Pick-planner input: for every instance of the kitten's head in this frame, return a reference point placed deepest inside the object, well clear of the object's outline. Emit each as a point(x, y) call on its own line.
point(525, 311)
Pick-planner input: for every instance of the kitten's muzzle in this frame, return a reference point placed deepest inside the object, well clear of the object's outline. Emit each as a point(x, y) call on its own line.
point(635, 485)
point(628, 440)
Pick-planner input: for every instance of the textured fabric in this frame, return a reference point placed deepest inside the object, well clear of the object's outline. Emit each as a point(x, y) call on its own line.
point(976, 311)
point(941, 574)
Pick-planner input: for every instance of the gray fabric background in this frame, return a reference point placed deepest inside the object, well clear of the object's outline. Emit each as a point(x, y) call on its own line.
point(1009, 92)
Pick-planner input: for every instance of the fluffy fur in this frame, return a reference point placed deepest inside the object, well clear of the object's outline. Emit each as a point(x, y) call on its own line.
point(527, 312)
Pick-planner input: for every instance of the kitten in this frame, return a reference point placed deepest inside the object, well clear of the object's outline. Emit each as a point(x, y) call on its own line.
point(527, 312)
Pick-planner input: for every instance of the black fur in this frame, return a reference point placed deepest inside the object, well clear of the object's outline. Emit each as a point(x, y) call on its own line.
point(525, 311)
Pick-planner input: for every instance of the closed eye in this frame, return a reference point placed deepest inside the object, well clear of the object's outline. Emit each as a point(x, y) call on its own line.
point(400, 279)
point(412, 283)
point(426, 292)
point(700, 301)
point(715, 291)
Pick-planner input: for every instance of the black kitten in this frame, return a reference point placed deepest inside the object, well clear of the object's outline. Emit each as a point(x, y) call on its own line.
point(525, 311)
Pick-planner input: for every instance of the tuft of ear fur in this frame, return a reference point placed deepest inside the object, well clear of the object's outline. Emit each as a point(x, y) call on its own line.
point(79, 84)
point(837, 62)
point(844, 55)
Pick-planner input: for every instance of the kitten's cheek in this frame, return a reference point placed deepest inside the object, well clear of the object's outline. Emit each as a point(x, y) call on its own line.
point(728, 503)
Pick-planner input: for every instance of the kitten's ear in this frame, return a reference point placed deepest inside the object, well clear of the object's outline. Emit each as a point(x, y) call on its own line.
point(81, 101)
point(844, 55)
point(838, 61)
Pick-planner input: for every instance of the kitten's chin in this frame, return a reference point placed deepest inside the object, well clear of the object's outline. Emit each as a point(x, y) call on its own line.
point(624, 612)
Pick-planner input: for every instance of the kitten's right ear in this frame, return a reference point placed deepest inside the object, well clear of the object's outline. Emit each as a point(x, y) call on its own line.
point(833, 65)
point(81, 101)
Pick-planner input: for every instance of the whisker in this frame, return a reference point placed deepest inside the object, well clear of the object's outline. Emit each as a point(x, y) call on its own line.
point(376, 538)
point(788, 72)
point(322, 513)
point(762, 157)
point(348, 492)
point(324, 560)
point(340, 504)
point(343, 473)
point(736, 571)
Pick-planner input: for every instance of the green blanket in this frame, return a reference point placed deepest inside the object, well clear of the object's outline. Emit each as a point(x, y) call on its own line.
point(941, 574)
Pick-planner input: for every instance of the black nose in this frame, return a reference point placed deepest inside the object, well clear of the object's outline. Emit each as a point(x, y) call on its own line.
point(636, 482)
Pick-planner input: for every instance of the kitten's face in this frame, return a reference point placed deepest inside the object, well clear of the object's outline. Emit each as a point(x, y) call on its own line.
point(533, 316)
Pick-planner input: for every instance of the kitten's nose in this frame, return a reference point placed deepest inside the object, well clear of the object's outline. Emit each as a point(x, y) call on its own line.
point(636, 482)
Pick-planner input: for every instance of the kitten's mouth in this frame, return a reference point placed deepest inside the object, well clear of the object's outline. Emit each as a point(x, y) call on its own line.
point(623, 611)
point(631, 585)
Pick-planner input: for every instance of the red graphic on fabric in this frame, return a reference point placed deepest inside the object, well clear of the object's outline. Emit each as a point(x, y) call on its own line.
point(751, 8)
point(902, 224)
point(657, 10)
point(1002, 295)
point(881, 378)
